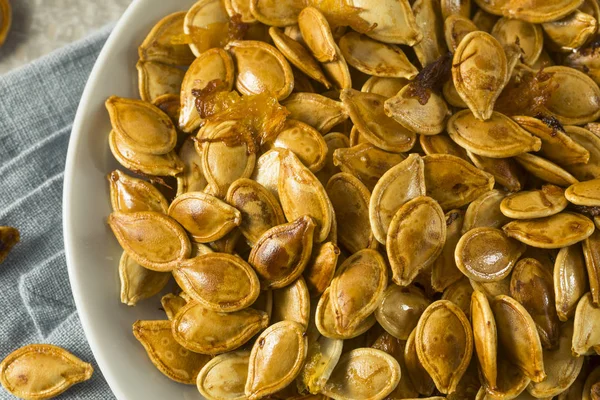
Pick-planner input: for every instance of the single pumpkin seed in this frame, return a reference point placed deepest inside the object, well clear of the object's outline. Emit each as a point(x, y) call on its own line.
point(211, 332)
point(266, 172)
point(386, 87)
point(172, 303)
point(322, 357)
point(156, 79)
point(506, 171)
point(591, 253)
point(544, 202)
point(276, 13)
point(318, 111)
point(224, 377)
point(441, 144)
point(584, 193)
point(291, 303)
point(485, 211)
point(443, 270)
point(192, 179)
point(586, 333)
point(391, 21)
point(325, 320)
point(42, 371)
point(415, 238)
point(400, 310)
point(591, 142)
point(206, 22)
point(485, 337)
point(571, 32)
point(418, 374)
point(529, 37)
point(334, 141)
point(276, 359)
point(152, 239)
point(129, 194)
point(428, 16)
point(159, 44)
point(570, 281)
point(556, 231)
point(139, 283)
point(460, 293)
point(456, 27)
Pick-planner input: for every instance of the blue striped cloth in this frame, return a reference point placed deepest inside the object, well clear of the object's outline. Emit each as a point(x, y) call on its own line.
point(37, 108)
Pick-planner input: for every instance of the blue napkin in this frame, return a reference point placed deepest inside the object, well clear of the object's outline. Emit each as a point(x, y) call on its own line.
point(37, 108)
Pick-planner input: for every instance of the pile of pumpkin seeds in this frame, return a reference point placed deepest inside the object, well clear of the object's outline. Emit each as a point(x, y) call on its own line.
point(364, 199)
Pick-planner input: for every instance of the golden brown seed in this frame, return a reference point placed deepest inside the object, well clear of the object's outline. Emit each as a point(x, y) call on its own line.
point(441, 144)
point(9, 237)
point(386, 87)
point(321, 268)
point(172, 303)
point(139, 283)
point(425, 119)
point(453, 182)
point(428, 16)
point(591, 253)
point(444, 342)
point(227, 243)
point(545, 170)
point(557, 146)
point(320, 112)
point(531, 284)
point(401, 183)
point(276, 359)
point(325, 320)
point(456, 27)
point(266, 172)
point(223, 164)
point(281, 253)
point(173, 360)
point(363, 374)
point(498, 137)
point(570, 280)
point(322, 357)
point(485, 336)
point(291, 303)
point(560, 230)
point(350, 200)
point(334, 141)
point(390, 21)
point(561, 366)
point(210, 65)
point(366, 162)
point(224, 377)
point(205, 217)
point(338, 72)
point(260, 210)
point(141, 126)
point(443, 270)
point(572, 31)
point(42, 371)
point(518, 336)
point(529, 37)
point(164, 164)
point(456, 7)
point(506, 171)
point(544, 202)
point(357, 289)
point(591, 142)
point(586, 333)
point(492, 289)
point(317, 34)
point(305, 141)
point(479, 72)
point(415, 238)
point(220, 282)
point(276, 13)
point(460, 293)
point(210, 332)
point(301, 194)
point(205, 23)
point(368, 115)
point(260, 67)
point(159, 44)
point(485, 211)
point(400, 310)
point(298, 55)
point(192, 179)
point(152, 239)
point(584, 193)
point(376, 58)
point(156, 79)
point(576, 100)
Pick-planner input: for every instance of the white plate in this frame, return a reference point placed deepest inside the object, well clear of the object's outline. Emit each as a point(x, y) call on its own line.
point(92, 252)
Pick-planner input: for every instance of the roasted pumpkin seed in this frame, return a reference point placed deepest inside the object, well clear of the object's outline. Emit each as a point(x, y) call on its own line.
point(318, 111)
point(42, 371)
point(415, 238)
point(479, 72)
point(172, 303)
point(301, 194)
point(400, 310)
point(418, 375)
point(570, 281)
point(139, 283)
point(456, 27)
point(173, 360)
point(591, 142)
point(572, 31)
point(211, 332)
point(129, 194)
point(453, 182)
point(584, 193)
point(444, 342)
point(325, 320)
point(441, 144)
point(528, 36)
point(334, 141)
point(443, 270)
point(428, 16)
point(506, 171)
point(368, 115)
point(485, 337)
point(518, 336)
point(545, 170)
point(156, 79)
point(395, 348)
point(386, 87)
point(350, 199)
point(591, 254)
point(152, 239)
point(224, 377)
point(321, 268)
point(544, 202)
point(276, 359)
point(485, 211)
point(291, 303)
point(160, 45)
point(322, 357)
point(531, 284)
point(460, 293)
point(375, 58)
point(554, 232)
